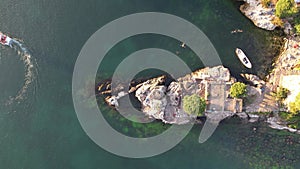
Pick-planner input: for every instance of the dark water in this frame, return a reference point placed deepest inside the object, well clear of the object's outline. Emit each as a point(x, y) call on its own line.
point(42, 130)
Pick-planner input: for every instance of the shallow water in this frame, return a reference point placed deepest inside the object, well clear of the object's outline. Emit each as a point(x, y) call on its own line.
point(42, 130)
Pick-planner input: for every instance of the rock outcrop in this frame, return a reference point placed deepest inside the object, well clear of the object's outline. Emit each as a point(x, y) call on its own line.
point(260, 16)
point(276, 123)
point(286, 71)
point(164, 102)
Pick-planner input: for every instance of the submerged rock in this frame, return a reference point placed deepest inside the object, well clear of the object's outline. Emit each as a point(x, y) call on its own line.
point(253, 118)
point(242, 115)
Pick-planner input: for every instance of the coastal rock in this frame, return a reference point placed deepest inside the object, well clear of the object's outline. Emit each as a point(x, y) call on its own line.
point(253, 91)
point(164, 102)
point(253, 118)
point(275, 123)
point(217, 116)
point(260, 16)
point(112, 101)
point(255, 80)
point(285, 72)
point(287, 28)
point(242, 115)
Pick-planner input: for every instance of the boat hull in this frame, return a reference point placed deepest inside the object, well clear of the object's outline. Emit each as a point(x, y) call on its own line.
point(243, 58)
point(5, 40)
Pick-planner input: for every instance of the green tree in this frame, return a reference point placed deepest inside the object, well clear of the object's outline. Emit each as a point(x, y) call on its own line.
point(238, 90)
point(297, 27)
point(285, 8)
point(295, 106)
point(194, 105)
point(297, 24)
point(281, 93)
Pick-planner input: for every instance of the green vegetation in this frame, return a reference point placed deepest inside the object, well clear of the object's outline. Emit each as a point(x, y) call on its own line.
point(128, 127)
point(297, 28)
point(238, 90)
point(285, 8)
point(194, 105)
point(293, 117)
point(281, 93)
point(266, 3)
point(297, 24)
point(295, 106)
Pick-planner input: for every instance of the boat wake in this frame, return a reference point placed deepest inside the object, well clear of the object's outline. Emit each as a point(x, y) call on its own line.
point(30, 69)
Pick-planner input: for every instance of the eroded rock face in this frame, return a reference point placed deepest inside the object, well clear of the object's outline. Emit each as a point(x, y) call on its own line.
point(253, 79)
point(260, 16)
point(165, 102)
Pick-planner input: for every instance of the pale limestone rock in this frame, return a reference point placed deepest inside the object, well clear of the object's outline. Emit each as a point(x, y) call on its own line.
point(260, 16)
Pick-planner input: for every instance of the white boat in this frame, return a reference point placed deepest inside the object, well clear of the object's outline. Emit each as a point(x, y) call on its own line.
point(5, 40)
point(243, 58)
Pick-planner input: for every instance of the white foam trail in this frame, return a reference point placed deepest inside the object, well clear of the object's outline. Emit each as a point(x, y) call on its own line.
point(30, 70)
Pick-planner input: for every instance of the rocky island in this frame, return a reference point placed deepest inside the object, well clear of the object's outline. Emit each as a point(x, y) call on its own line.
point(261, 100)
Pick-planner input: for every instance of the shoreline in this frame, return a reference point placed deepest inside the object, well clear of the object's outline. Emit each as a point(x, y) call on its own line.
point(260, 16)
point(282, 73)
point(159, 101)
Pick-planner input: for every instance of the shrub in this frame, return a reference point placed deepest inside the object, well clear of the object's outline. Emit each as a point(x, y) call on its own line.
point(297, 28)
point(281, 93)
point(238, 90)
point(194, 105)
point(292, 119)
point(285, 8)
point(297, 24)
point(295, 106)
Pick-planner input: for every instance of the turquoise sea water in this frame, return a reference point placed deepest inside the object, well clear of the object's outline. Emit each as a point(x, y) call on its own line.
point(42, 130)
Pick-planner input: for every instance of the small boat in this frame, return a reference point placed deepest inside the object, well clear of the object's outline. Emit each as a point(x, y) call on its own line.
point(243, 58)
point(5, 40)
point(183, 45)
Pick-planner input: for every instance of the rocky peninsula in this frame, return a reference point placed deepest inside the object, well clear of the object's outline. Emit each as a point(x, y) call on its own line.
point(285, 73)
point(164, 101)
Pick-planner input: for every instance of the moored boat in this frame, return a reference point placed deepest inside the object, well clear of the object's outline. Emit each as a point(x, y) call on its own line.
point(5, 40)
point(243, 58)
